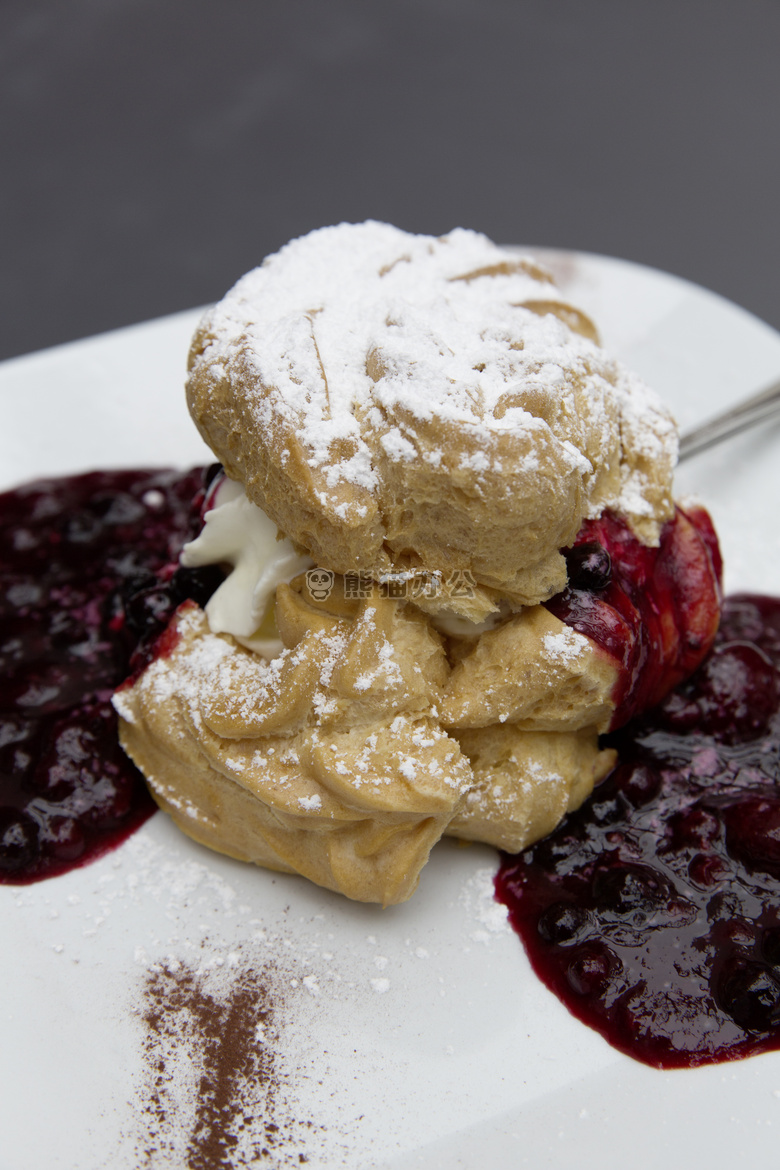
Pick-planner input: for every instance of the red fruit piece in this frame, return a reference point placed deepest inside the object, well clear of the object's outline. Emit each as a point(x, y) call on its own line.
point(658, 613)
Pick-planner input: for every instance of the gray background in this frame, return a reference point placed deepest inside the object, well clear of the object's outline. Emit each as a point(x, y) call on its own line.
point(153, 150)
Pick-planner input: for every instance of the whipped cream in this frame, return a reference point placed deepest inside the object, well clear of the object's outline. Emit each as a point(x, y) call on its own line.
point(238, 533)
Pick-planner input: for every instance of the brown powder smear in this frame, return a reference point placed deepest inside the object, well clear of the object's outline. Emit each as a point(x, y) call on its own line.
point(215, 1098)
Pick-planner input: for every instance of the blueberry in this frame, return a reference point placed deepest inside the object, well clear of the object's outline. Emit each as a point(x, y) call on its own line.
point(118, 508)
point(149, 610)
point(630, 890)
point(210, 473)
point(607, 811)
point(639, 785)
point(681, 713)
point(592, 969)
point(738, 687)
point(134, 578)
point(743, 619)
point(63, 838)
point(110, 800)
point(724, 906)
point(81, 527)
point(740, 932)
point(748, 992)
point(64, 761)
point(753, 832)
point(589, 566)
point(707, 869)
point(553, 851)
point(19, 844)
point(562, 923)
point(17, 743)
point(196, 584)
point(695, 828)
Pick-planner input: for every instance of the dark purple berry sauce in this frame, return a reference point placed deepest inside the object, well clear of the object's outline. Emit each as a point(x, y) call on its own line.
point(88, 581)
point(654, 911)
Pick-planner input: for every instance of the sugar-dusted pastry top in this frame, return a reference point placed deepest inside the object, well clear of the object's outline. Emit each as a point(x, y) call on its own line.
point(401, 403)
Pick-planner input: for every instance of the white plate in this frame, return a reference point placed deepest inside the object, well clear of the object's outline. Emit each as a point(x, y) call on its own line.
point(414, 1036)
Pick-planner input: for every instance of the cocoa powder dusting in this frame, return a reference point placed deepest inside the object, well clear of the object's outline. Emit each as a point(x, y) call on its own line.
point(215, 1096)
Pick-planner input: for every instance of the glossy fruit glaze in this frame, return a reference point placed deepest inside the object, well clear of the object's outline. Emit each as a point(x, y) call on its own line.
point(653, 610)
point(88, 580)
point(654, 911)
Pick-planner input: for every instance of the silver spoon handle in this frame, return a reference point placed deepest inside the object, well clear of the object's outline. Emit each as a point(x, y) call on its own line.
point(753, 410)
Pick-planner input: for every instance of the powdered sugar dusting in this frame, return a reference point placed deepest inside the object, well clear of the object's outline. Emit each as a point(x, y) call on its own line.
point(566, 645)
point(358, 335)
point(479, 897)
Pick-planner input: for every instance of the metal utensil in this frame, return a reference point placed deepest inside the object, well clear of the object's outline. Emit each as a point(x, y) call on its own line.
point(746, 414)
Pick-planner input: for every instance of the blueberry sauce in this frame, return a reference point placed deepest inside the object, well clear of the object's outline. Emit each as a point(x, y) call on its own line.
point(88, 581)
point(654, 911)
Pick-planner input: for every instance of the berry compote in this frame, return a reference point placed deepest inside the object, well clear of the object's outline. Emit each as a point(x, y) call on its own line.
point(654, 911)
point(88, 581)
